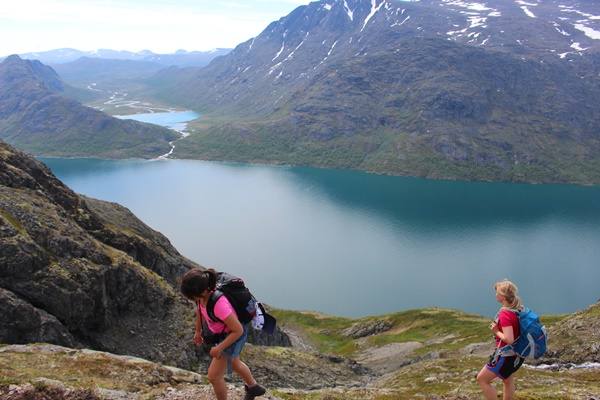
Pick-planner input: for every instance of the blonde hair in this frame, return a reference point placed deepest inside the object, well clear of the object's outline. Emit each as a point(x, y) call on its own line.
point(510, 292)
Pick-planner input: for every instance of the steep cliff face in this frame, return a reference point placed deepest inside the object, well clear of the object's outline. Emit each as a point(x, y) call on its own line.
point(75, 270)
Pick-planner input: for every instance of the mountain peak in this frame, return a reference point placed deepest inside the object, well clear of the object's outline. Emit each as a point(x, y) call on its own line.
point(14, 58)
point(17, 71)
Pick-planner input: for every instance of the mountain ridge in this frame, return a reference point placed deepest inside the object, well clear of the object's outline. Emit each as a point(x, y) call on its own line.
point(359, 84)
point(36, 116)
point(180, 57)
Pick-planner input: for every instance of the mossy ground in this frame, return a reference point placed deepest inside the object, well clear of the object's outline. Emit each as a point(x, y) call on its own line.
point(13, 221)
point(85, 371)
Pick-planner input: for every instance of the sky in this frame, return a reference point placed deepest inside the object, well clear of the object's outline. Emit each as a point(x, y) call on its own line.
point(162, 26)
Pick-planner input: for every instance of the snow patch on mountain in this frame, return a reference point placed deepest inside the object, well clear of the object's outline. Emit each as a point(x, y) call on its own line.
point(560, 30)
point(528, 12)
point(589, 32)
point(400, 23)
point(327, 56)
point(348, 11)
point(374, 9)
point(476, 21)
point(568, 9)
point(279, 52)
point(524, 3)
point(469, 6)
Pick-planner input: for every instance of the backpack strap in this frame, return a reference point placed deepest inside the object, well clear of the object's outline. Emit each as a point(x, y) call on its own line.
point(210, 305)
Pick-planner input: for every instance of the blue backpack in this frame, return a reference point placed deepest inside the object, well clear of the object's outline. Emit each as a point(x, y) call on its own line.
point(531, 342)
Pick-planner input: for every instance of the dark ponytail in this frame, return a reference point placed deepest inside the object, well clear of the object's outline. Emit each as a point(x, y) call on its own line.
point(196, 281)
point(212, 278)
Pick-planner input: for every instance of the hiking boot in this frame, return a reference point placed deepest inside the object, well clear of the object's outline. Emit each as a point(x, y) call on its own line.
point(254, 391)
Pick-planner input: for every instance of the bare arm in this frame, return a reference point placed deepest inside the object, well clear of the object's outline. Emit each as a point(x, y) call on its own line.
point(507, 336)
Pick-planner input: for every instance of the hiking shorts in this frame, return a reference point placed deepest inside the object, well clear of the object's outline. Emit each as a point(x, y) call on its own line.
point(504, 366)
point(236, 348)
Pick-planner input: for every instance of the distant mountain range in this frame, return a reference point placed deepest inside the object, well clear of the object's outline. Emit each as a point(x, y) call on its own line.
point(105, 72)
point(179, 58)
point(493, 90)
point(36, 116)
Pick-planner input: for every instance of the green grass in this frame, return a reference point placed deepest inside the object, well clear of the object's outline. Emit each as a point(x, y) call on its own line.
point(13, 222)
point(438, 330)
point(326, 333)
point(543, 159)
point(82, 371)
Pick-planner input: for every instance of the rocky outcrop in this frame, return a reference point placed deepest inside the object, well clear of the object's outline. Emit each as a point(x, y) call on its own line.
point(70, 272)
point(20, 322)
point(576, 339)
point(367, 328)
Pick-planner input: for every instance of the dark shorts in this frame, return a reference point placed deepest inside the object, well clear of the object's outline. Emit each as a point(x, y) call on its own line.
point(504, 366)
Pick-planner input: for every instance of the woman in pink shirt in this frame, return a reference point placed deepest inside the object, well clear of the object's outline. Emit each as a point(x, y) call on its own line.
point(506, 330)
point(198, 285)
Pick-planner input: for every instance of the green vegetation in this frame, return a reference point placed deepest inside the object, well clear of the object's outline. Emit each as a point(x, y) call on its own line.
point(273, 140)
point(324, 332)
point(424, 326)
point(45, 122)
point(79, 370)
point(13, 221)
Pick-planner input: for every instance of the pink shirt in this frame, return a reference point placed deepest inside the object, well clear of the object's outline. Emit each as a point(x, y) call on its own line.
point(223, 309)
point(507, 318)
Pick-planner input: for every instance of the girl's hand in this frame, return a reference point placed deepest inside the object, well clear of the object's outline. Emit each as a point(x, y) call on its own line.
point(198, 340)
point(215, 352)
point(494, 327)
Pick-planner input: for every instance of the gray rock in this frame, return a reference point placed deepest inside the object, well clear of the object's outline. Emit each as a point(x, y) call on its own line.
point(21, 322)
point(363, 329)
point(68, 276)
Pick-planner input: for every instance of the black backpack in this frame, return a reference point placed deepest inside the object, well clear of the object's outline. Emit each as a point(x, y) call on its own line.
point(234, 289)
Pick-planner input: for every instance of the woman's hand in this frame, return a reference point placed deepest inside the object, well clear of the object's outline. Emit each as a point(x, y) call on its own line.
point(494, 327)
point(198, 340)
point(215, 352)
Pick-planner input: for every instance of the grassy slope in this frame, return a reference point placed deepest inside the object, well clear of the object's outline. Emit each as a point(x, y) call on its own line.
point(425, 326)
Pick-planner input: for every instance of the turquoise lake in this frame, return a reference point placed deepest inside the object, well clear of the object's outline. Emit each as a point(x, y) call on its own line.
point(354, 244)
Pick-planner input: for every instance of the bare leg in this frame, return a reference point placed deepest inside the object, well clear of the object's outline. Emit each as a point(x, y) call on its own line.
point(484, 379)
point(243, 371)
point(509, 388)
point(216, 374)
